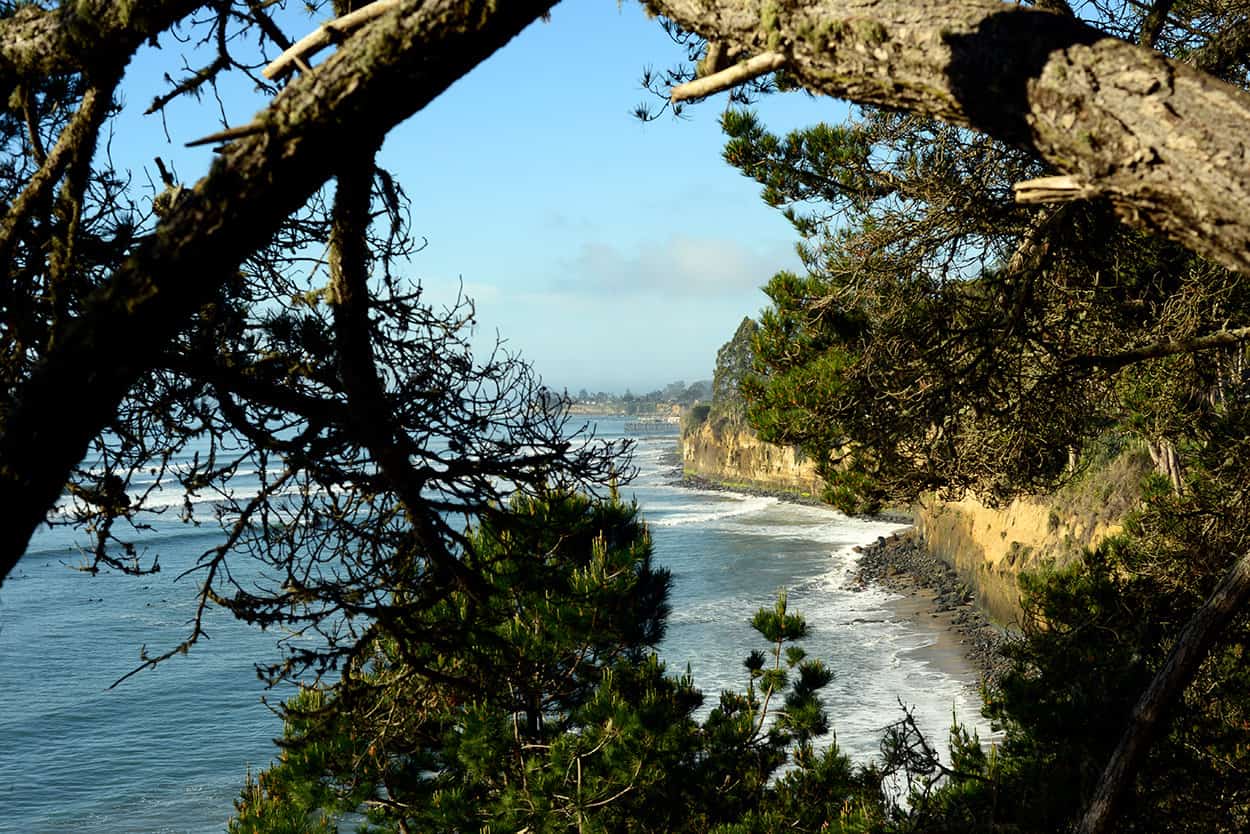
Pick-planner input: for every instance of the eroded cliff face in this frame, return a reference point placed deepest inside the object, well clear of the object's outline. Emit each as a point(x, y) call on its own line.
point(734, 456)
point(991, 547)
point(988, 547)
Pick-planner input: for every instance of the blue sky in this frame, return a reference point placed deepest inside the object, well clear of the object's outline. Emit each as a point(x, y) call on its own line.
point(608, 252)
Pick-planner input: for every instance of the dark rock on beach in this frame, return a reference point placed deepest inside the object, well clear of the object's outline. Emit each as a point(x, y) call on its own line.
point(902, 564)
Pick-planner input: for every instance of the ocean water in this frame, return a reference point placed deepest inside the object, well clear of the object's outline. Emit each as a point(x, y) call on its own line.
point(167, 750)
point(731, 554)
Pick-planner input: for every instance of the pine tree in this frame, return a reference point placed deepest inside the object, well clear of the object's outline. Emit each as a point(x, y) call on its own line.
point(559, 716)
point(947, 339)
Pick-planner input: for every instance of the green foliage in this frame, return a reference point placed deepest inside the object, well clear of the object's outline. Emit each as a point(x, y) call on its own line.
point(733, 362)
point(1095, 634)
point(1106, 486)
point(945, 338)
point(451, 686)
point(282, 800)
point(695, 418)
point(553, 715)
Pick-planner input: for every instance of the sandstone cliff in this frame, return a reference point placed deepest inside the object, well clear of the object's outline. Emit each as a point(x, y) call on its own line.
point(718, 445)
point(991, 547)
point(734, 456)
point(988, 547)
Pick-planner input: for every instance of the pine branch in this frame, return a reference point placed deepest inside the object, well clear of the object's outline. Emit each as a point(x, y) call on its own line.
point(1147, 720)
point(1158, 350)
point(232, 211)
point(1156, 137)
point(71, 144)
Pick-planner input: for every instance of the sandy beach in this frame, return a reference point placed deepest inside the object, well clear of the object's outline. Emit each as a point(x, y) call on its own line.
point(949, 649)
point(966, 643)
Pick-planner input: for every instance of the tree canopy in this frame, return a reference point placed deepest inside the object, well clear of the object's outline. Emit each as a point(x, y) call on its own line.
point(156, 274)
point(1151, 134)
point(196, 337)
point(553, 713)
point(151, 272)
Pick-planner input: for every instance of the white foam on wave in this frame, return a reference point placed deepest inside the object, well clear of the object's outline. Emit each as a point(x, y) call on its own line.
point(643, 452)
point(834, 585)
point(711, 611)
point(204, 506)
point(878, 658)
point(879, 661)
point(874, 636)
point(807, 523)
point(702, 514)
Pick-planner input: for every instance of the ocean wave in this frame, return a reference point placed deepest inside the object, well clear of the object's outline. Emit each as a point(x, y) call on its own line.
point(204, 506)
point(731, 610)
point(687, 515)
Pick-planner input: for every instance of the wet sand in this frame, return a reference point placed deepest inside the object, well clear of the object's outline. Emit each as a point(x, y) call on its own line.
point(967, 645)
point(949, 649)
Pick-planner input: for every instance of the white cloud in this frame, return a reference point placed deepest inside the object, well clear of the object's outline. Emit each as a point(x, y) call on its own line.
point(611, 316)
point(682, 265)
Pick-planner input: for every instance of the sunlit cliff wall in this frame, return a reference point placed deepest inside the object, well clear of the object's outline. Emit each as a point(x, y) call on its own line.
point(989, 547)
point(734, 456)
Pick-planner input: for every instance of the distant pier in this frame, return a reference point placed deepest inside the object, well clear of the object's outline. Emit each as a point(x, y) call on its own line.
point(653, 426)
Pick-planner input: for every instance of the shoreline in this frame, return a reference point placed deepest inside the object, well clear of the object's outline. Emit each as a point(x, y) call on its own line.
point(699, 482)
point(967, 643)
point(932, 594)
point(707, 485)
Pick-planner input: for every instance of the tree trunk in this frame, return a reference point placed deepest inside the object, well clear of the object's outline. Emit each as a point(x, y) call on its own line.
point(1158, 138)
point(1167, 464)
point(347, 102)
point(1146, 722)
point(37, 42)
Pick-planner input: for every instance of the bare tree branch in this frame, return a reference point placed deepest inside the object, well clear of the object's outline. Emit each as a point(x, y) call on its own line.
point(421, 48)
point(267, 24)
point(1228, 48)
point(326, 34)
point(373, 414)
point(77, 137)
point(1153, 24)
point(75, 36)
point(1172, 347)
point(731, 77)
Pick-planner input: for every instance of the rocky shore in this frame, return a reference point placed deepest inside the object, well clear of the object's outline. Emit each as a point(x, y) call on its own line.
point(902, 564)
point(695, 482)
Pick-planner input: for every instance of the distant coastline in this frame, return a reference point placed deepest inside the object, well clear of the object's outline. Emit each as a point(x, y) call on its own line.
point(592, 410)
